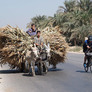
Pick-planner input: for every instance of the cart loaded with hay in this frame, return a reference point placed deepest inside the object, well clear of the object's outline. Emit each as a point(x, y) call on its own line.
point(14, 44)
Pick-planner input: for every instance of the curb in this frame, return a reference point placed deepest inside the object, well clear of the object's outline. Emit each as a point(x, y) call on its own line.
point(76, 52)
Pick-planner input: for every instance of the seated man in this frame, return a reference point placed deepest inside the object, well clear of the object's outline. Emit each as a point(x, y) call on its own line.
point(38, 40)
point(32, 31)
point(87, 44)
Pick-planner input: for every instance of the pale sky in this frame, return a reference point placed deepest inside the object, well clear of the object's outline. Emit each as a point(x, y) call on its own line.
point(20, 12)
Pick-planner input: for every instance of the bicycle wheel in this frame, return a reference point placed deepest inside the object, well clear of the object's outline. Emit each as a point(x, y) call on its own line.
point(91, 65)
point(91, 68)
point(87, 65)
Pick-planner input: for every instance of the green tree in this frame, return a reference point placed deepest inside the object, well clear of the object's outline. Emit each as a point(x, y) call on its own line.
point(74, 20)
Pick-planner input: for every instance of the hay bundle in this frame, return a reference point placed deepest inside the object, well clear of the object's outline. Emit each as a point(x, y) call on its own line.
point(13, 46)
point(57, 43)
point(14, 43)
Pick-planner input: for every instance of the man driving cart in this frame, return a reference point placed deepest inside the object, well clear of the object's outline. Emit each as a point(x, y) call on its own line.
point(38, 40)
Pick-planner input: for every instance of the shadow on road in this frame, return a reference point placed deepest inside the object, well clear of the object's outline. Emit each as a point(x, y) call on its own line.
point(81, 71)
point(27, 75)
point(55, 70)
point(49, 70)
point(9, 71)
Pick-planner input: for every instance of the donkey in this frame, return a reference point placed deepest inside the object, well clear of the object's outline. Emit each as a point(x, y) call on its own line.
point(31, 57)
point(48, 49)
point(43, 62)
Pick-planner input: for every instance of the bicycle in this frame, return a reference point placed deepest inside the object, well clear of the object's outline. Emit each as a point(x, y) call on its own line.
point(89, 61)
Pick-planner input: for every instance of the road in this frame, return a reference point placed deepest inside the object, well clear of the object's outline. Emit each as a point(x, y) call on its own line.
point(68, 77)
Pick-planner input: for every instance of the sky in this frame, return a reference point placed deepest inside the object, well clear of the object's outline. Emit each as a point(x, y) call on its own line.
point(19, 12)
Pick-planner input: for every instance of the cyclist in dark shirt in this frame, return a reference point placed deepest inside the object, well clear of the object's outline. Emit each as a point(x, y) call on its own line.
point(87, 44)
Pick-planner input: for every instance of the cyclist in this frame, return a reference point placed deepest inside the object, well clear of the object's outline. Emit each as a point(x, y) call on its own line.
point(87, 44)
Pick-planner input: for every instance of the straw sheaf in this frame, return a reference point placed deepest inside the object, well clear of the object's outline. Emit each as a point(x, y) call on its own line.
point(57, 43)
point(14, 43)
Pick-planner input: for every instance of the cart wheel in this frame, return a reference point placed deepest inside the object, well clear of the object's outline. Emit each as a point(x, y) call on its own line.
point(40, 68)
point(45, 68)
point(22, 67)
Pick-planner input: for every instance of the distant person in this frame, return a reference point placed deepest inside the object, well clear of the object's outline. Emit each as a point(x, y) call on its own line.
point(87, 44)
point(32, 31)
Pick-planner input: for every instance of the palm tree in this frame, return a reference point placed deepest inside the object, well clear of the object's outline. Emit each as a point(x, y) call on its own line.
point(84, 4)
point(38, 21)
point(69, 6)
point(75, 20)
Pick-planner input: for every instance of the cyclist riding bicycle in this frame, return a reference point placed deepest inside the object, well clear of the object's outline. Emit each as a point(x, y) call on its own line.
point(87, 44)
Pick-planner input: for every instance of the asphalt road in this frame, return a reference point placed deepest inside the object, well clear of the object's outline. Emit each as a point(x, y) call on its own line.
point(68, 77)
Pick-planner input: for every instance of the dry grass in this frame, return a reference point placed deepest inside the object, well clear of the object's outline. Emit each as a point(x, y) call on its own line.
point(14, 43)
point(57, 43)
